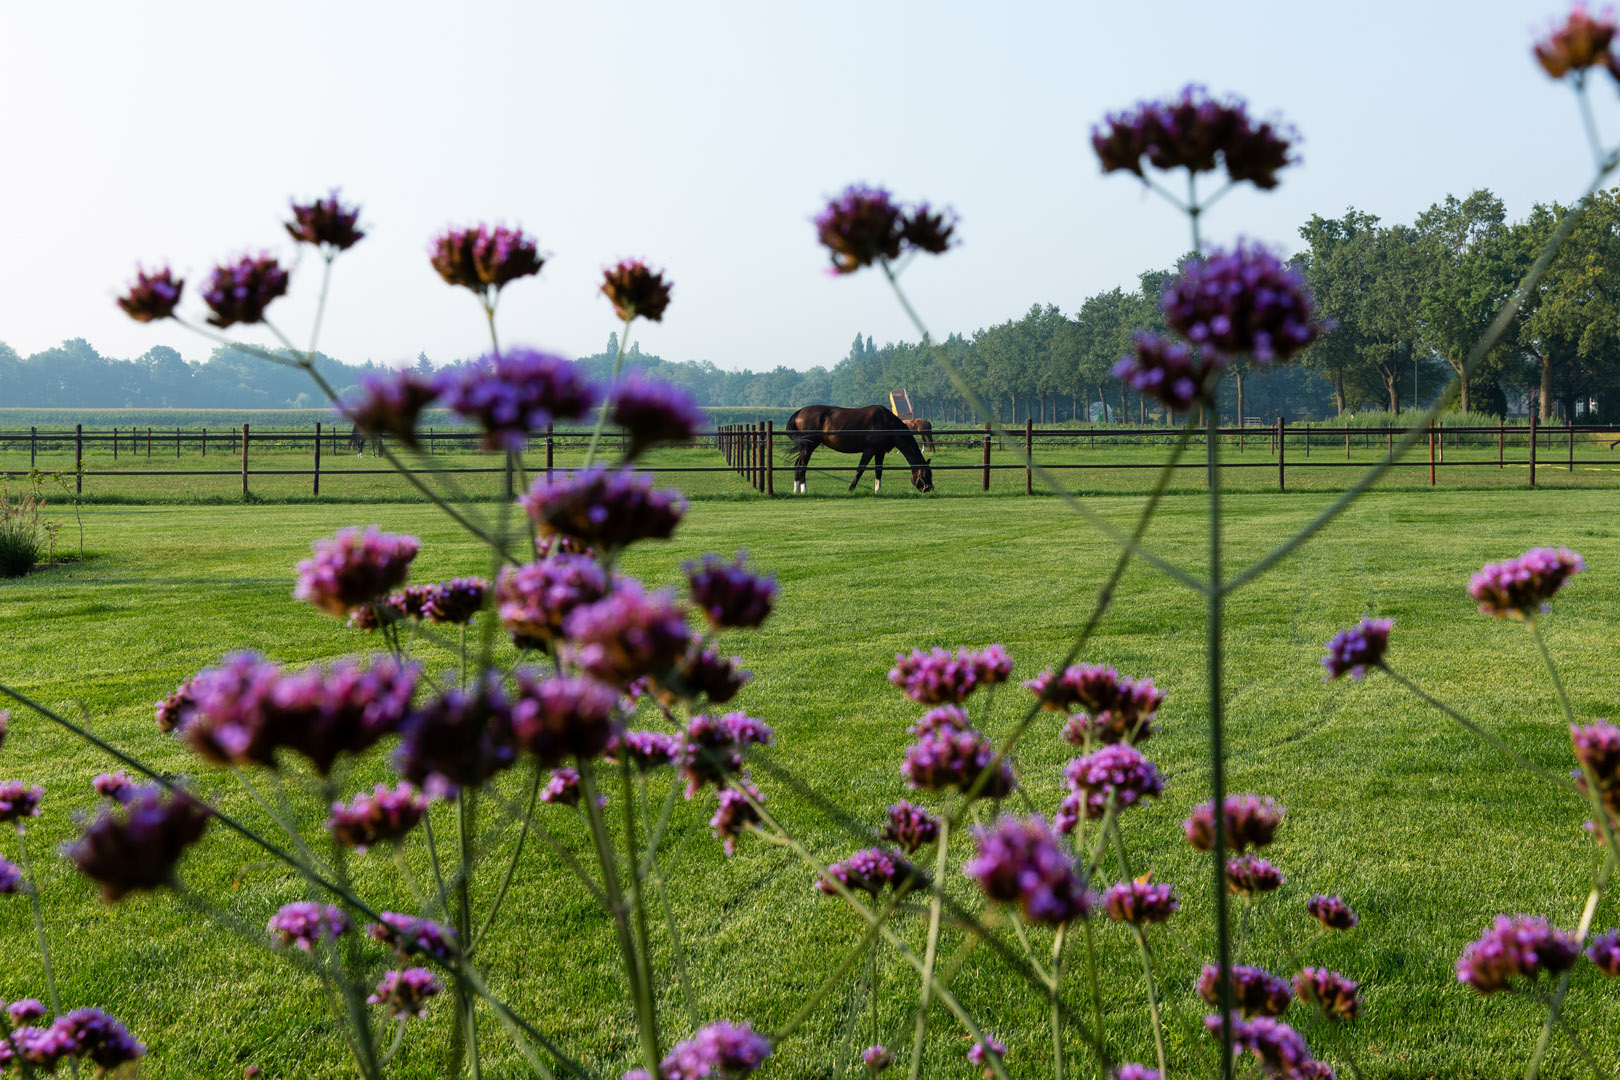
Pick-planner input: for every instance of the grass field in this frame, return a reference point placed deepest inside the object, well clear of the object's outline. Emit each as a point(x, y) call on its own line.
point(1427, 832)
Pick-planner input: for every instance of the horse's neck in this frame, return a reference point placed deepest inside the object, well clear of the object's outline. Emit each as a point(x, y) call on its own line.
point(908, 449)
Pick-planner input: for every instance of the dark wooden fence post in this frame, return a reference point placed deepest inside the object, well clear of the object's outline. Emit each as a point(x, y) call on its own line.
point(1501, 439)
point(986, 455)
point(1532, 451)
point(115, 444)
point(1571, 422)
point(1282, 454)
point(1347, 442)
point(244, 460)
point(550, 450)
point(770, 459)
point(1431, 453)
point(33, 446)
point(317, 457)
point(78, 458)
point(177, 444)
point(205, 439)
point(148, 444)
point(1029, 456)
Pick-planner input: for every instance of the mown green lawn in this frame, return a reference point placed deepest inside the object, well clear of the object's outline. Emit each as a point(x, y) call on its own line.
point(1426, 832)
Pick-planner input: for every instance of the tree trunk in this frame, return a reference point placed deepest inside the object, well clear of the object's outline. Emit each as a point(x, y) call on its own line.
point(1238, 376)
point(1393, 381)
point(1102, 399)
point(1074, 405)
point(1123, 415)
point(1545, 409)
point(1462, 379)
point(1338, 391)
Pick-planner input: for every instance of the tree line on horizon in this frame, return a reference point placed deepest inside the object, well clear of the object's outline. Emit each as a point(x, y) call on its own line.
point(1406, 301)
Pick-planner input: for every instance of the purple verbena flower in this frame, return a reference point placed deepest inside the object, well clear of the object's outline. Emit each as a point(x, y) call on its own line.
point(1521, 588)
point(868, 870)
point(606, 508)
point(19, 800)
point(1133, 1071)
point(715, 747)
point(627, 634)
point(562, 788)
point(459, 739)
point(390, 404)
point(1140, 902)
point(1251, 875)
point(1194, 132)
point(516, 392)
point(410, 936)
point(152, 296)
point(735, 814)
point(1281, 1050)
point(860, 227)
point(1242, 302)
point(1167, 371)
point(1108, 707)
point(137, 845)
point(386, 816)
point(239, 292)
point(1582, 42)
point(644, 749)
point(937, 676)
point(947, 757)
point(456, 602)
point(1255, 991)
point(406, 993)
point(114, 785)
point(721, 1051)
point(485, 258)
point(1522, 945)
point(249, 708)
point(1331, 911)
point(980, 1052)
point(1117, 774)
point(92, 1034)
point(1251, 821)
point(305, 923)
point(11, 878)
point(877, 1058)
point(1355, 651)
point(941, 718)
point(563, 716)
point(1022, 862)
point(1330, 991)
point(636, 290)
point(1604, 951)
point(534, 599)
point(173, 710)
point(326, 223)
point(25, 1011)
point(703, 673)
point(354, 567)
point(910, 826)
point(652, 411)
point(728, 594)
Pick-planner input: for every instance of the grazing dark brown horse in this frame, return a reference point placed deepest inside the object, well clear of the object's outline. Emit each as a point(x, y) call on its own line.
point(870, 432)
point(924, 432)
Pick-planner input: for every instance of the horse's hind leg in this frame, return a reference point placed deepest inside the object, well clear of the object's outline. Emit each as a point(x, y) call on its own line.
point(860, 469)
point(800, 487)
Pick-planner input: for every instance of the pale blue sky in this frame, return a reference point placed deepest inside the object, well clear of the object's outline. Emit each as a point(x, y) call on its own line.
point(703, 136)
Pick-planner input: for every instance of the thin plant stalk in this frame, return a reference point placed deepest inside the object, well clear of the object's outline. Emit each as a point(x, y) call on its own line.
point(1484, 733)
point(1057, 1000)
point(511, 867)
point(1094, 984)
point(613, 383)
point(930, 950)
point(638, 897)
point(1152, 996)
point(1214, 661)
point(39, 921)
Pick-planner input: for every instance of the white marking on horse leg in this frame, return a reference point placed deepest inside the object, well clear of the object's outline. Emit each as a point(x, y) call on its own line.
point(877, 486)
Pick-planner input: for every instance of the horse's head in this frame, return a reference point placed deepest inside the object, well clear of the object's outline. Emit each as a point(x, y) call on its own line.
point(922, 477)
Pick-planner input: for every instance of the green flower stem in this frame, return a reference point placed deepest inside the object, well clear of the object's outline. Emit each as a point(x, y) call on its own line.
point(511, 867)
point(39, 920)
point(1057, 1001)
point(1600, 881)
point(1582, 1049)
point(1213, 658)
point(931, 949)
point(433, 860)
point(1488, 341)
point(613, 383)
point(638, 896)
point(1552, 668)
point(1484, 733)
point(641, 996)
point(1152, 995)
point(1069, 499)
point(1095, 987)
point(283, 821)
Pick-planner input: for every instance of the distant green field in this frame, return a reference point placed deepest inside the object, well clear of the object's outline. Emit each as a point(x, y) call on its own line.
point(14, 419)
point(1426, 831)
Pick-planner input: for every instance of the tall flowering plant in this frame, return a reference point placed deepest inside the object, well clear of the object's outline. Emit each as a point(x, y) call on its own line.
point(587, 708)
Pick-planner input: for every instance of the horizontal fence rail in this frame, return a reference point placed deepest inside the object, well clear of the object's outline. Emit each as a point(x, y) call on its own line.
point(754, 452)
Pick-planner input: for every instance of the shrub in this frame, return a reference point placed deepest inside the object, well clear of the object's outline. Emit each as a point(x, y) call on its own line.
point(26, 535)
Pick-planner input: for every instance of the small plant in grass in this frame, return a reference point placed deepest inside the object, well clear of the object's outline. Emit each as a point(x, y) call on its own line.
point(578, 687)
point(27, 536)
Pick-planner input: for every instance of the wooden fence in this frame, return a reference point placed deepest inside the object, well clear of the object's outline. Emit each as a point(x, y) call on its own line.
point(756, 451)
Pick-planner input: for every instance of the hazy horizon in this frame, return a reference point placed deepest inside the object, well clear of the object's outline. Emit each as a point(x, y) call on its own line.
point(703, 138)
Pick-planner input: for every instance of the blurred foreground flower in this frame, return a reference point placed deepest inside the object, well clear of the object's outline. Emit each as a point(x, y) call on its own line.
point(326, 223)
point(137, 845)
point(636, 291)
point(1355, 651)
point(721, 1050)
point(1582, 42)
point(390, 404)
point(1523, 945)
point(605, 508)
point(1255, 991)
point(728, 594)
point(517, 392)
point(1023, 863)
point(353, 568)
point(1242, 302)
point(653, 412)
point(864, 225)
point(938, 676)
point(485, 258)
point(1195, 132)
point(239, 292)
point(152, 296)
point(1523, 587)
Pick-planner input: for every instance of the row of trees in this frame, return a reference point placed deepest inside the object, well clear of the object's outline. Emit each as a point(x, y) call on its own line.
point(1407, 302)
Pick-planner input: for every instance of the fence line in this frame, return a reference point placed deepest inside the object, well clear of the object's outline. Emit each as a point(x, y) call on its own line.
point(751, 450)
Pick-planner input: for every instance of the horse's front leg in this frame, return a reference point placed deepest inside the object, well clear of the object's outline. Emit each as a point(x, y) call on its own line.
point(860, 469)
point(877, 475)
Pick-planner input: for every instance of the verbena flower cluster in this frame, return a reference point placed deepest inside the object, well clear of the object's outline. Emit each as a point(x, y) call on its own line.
point(136, 845)
point(866, 225)
point(636, 290)
point(1108, 707)
point(305, 924)
point(385, 816)
point(1249, 821)
point(939, 676)
point(326, 223)
point(1255, 991)
point(1357, 650)
point(1522, 946)
point(239, 292)
point(354, 568)
point(1581, 43)
point(485, 258)
point(90, 1036)
point(604, 508)
point(1242, 302)
point(1116, 777)
point(653, 412)
point(1023, 862)
point(728, 594)
point(1523, 587)
point(722, 1049)
point(1195, 132)
point(516, 392)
